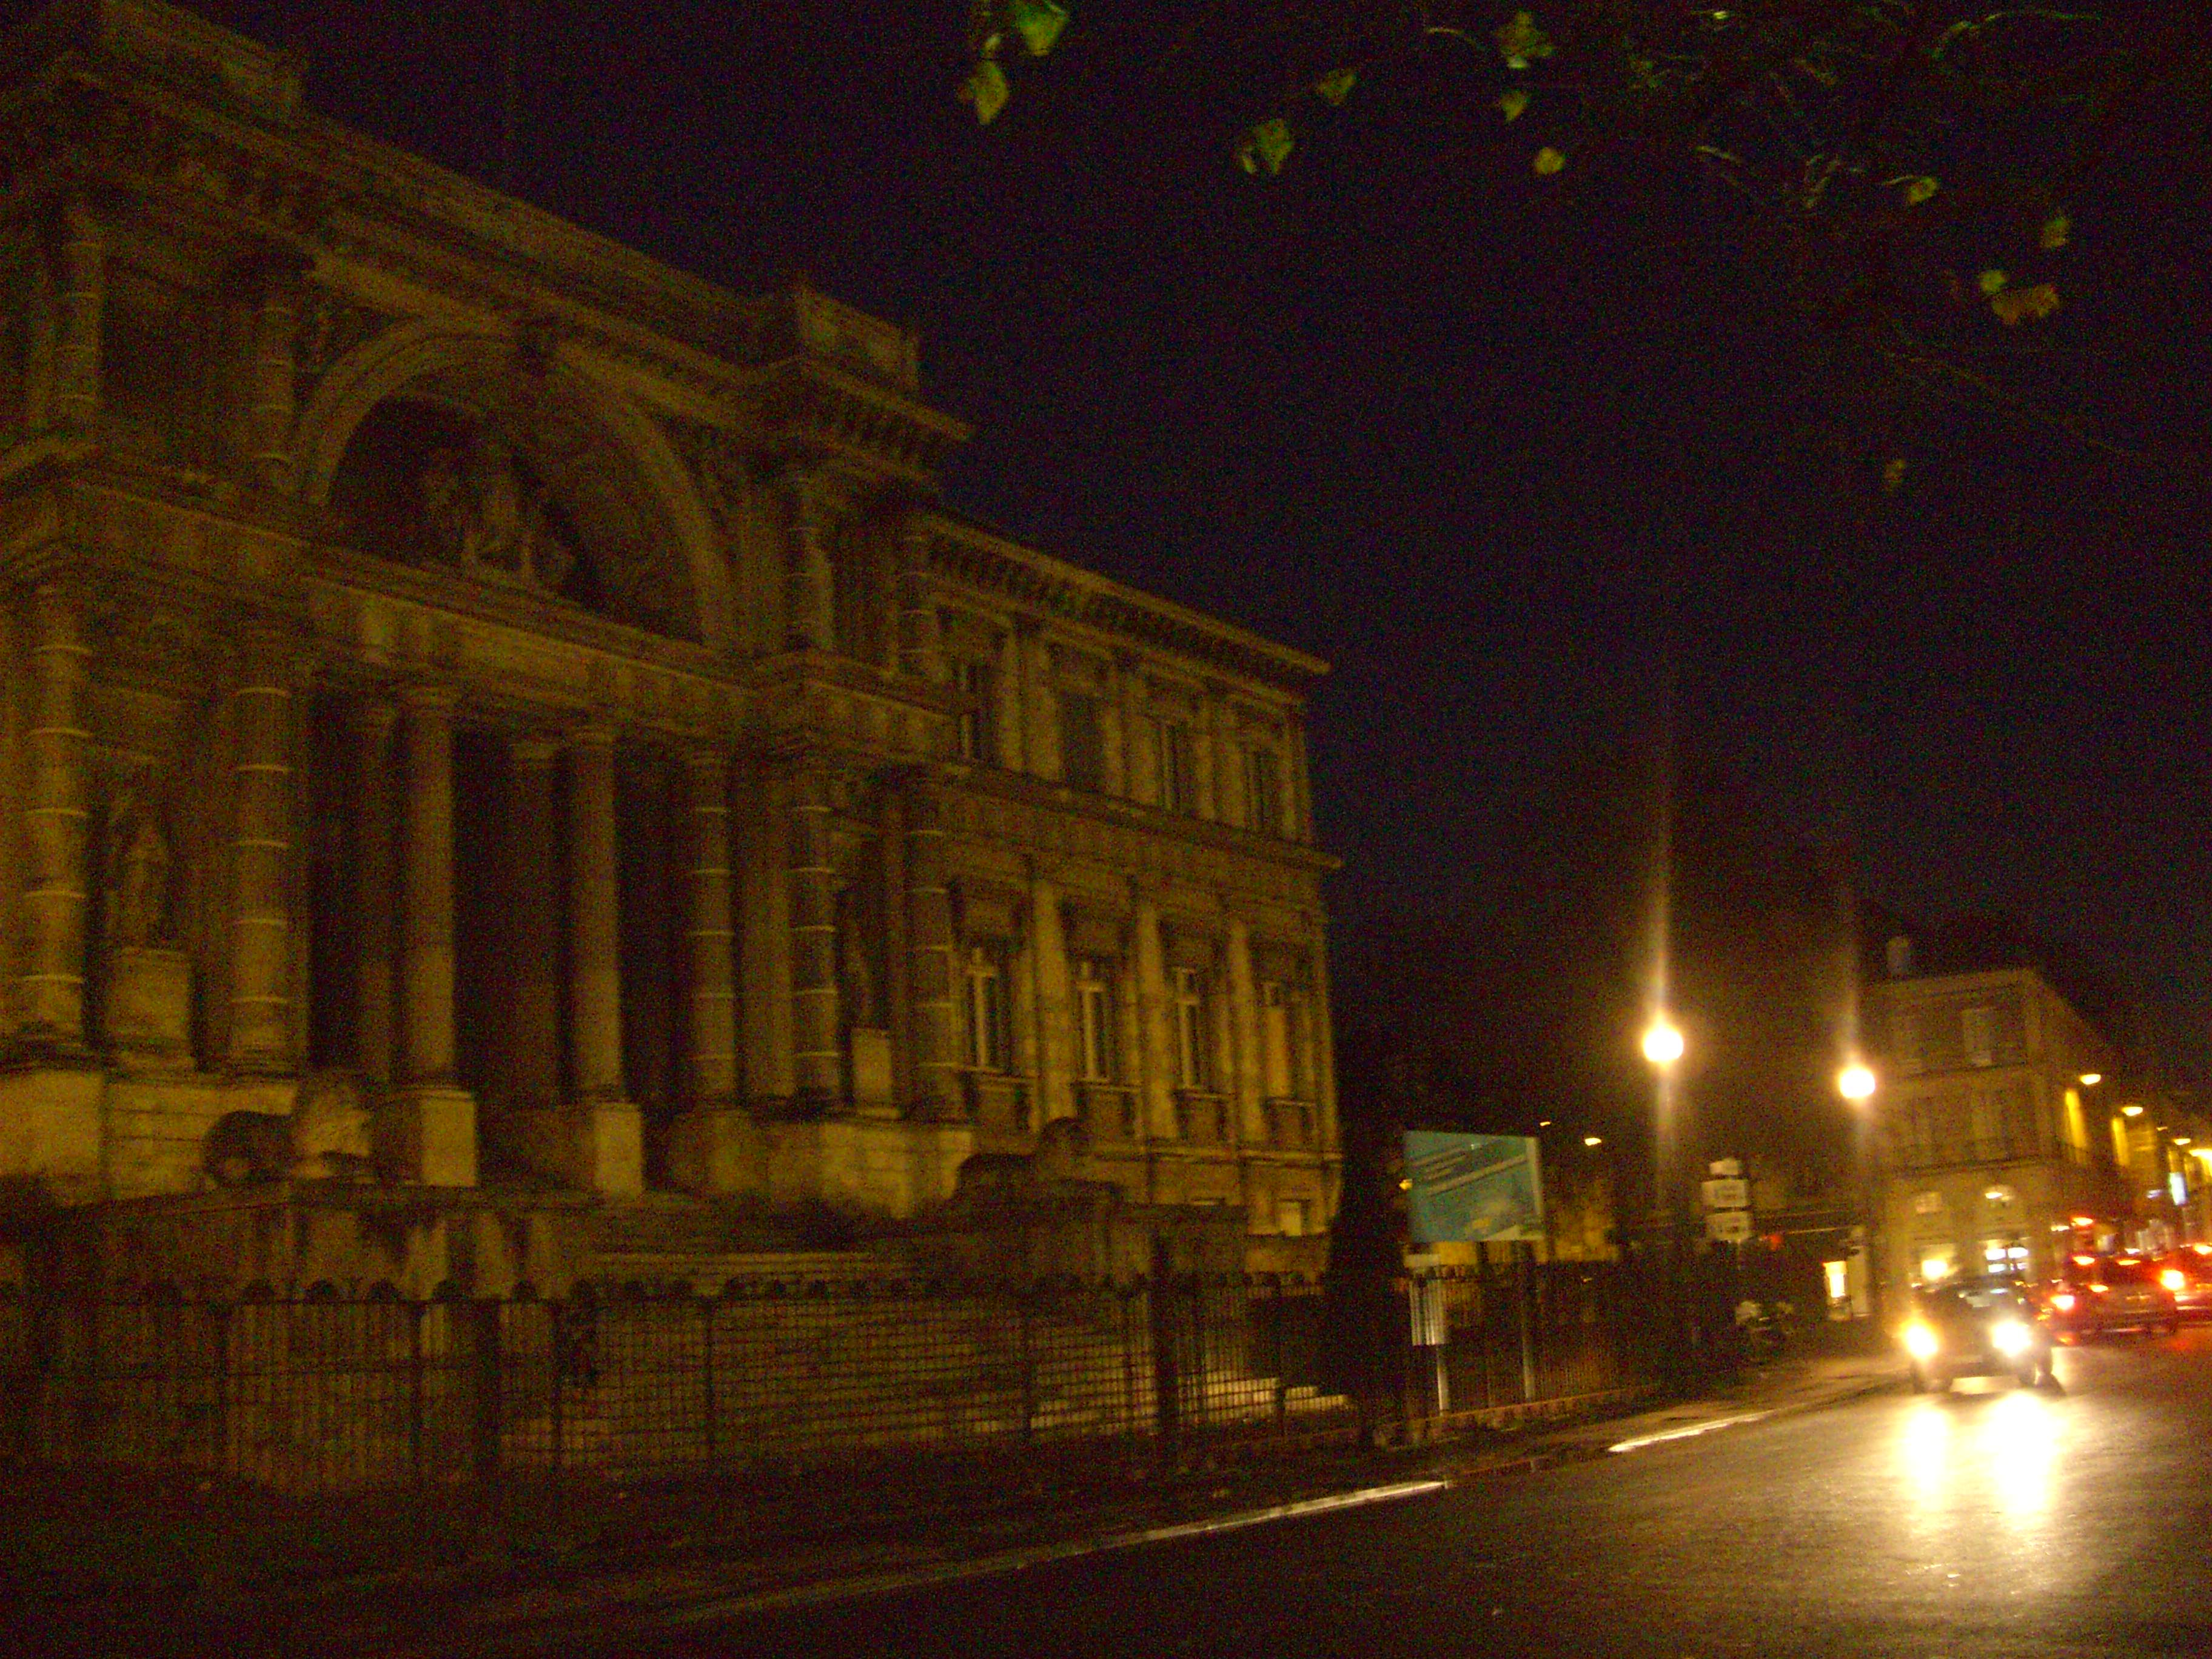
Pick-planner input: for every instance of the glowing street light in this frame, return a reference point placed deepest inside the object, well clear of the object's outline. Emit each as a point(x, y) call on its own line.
point(2091, 1080)
point(1663, 1043)
point(1855, 1082)
point(1593, 1140)
point(2130, 1111)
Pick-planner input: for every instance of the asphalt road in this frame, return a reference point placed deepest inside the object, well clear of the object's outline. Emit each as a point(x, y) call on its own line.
point(2075, 1521)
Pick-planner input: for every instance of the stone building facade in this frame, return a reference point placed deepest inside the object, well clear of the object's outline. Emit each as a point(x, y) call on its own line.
point(495, 730)
point(1997, 1151)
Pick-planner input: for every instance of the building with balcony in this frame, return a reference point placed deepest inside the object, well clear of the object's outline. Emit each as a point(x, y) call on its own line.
point(2001, 1143)
point(498, 732)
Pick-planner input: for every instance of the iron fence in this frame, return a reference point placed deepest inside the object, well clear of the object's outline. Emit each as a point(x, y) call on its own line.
point(770, 1379)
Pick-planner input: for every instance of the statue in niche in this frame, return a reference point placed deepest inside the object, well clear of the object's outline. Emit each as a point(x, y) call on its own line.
point(859, 953)
point(138, 877)
point(484, 511)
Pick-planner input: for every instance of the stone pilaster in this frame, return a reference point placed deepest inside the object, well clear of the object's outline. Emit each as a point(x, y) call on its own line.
point(1244, 1081)
point(1040, 709)
point(80, 262)
point(261, 855)
point(372, 722)
point(55, 825)
point(817, 1071)
point(1055, 1051)
point(271, 406)
point(1298, 784)
point(809, 594)
point(929, 954)
point(609, 1143)
point(534, 1055)
point(427, 1134)
point(921, 650)
point(712, 1146)
point(1154, 1016)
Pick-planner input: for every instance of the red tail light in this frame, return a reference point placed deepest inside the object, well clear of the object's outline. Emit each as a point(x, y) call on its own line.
point(2064, 1301)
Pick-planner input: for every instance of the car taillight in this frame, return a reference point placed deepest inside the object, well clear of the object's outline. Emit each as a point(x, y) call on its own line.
point(2063, 1302)
point(2172, 1279)
point(2100, 1288)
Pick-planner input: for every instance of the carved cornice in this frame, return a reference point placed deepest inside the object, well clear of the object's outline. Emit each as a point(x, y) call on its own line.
point(805, 406)
point(986, 563)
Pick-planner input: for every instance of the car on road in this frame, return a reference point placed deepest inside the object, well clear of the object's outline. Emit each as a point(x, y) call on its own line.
point(2094, 1295)
point(1976, 1327)
point(2187, 1273)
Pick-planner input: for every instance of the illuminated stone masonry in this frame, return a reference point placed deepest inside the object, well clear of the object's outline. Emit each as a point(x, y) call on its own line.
point(498, 733)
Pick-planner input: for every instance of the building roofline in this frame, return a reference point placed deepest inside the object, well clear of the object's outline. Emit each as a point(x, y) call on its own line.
point(1055, 585)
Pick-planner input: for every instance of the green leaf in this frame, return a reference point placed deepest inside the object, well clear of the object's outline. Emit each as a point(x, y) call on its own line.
point(1993, 281)
point(1265, 144)
point(1548, 161)
point(2057, 230)
point(2024, 305)
point(986, 89)
point(1038, 22)
point(1918, 190)
point(1512, 102)
point(1336, 86)
point(1519, 40)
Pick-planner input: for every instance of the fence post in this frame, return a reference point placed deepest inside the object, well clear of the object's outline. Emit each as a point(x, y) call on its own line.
point(484, 1414)
point(707, 1372)
point(1523, 1289)
point(1167, 1387)
point(1275, 1356)
point(414, 1393)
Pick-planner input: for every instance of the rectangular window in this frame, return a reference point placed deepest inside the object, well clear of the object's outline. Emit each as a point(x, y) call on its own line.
point(1094, 1020)
point(1194, 1035)
point(1907, 1034)
point(1291, 1217)
point(1979, 1026)
point(1082, 742)
point(1989, 1128)
point(1263, 792)
point(1279, 1079)
point(1178, 767)
point(983, 1003)
point(979, 712)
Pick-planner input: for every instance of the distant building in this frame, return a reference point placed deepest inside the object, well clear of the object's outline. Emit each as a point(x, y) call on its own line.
point(499, 734)
point(1997, 1152)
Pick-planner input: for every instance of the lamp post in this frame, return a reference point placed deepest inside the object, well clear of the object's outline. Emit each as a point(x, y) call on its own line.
point(1856, 1083)
point(1662, 1047)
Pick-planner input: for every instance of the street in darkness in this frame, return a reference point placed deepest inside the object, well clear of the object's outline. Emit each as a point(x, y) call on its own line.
point(1993, 1522)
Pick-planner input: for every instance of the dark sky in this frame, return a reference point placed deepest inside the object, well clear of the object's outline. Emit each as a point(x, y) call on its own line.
point(1482, 441)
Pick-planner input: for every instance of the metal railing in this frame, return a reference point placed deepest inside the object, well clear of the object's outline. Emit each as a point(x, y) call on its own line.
point(775, 1381)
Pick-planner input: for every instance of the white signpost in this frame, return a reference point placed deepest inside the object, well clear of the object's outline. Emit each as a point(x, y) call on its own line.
point(1727, 1203)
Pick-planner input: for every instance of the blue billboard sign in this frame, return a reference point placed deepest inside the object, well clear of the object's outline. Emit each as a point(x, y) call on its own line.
point(1472, 1188)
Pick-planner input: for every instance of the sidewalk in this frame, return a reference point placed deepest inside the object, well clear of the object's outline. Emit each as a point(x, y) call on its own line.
point(503, 1602)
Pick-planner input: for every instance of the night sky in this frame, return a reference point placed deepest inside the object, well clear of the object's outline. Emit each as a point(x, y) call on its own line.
point(1497, 447)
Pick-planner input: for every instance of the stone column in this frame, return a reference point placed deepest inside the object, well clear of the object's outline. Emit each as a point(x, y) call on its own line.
point(372, 722)
point(1055, 1056)
point(817, 1071)
point(712, 1142)
point(534, 1054)
point(809, 594)
point(922, 648)
point(930, 965)
point(1015, 715)
point(261, 856)
point(428, 1135)
point(609, 1147)
point(55, 825)
point(81, 261)
point(1245, 1085)
point(270, 409)
point(1297, 786)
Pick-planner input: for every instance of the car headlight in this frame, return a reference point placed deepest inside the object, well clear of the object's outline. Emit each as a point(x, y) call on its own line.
point(2172, 1279)
point(2064, 1301)
point(2009, 1337)
point(1919, 1341)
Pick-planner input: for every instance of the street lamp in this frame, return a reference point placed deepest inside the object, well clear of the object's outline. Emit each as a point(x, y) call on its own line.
point(1855, 1082)
point(1662, 1042)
